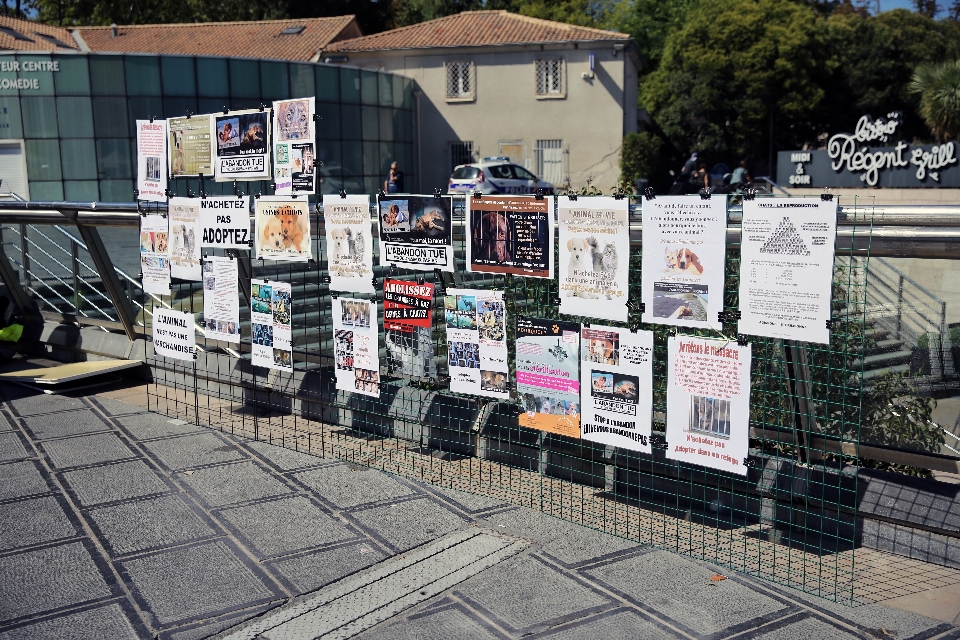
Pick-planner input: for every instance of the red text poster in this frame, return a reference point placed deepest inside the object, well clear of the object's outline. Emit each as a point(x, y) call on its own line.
point(408, 328)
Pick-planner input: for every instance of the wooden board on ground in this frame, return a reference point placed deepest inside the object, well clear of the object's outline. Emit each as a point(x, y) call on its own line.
point(69, 372)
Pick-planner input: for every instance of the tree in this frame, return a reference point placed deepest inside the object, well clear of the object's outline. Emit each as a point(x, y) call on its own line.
point(938, 86)
point(639, 156)
point(650, 22)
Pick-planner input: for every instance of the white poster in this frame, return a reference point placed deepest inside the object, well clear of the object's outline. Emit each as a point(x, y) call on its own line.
point(184, 218)
point(349, 245)
point(684, 245)
point(270, 314)
point(225, 222)
point(594, 257)
point(416, 232)
point(283, 229)
point(616, 387)
point(154, 256)
point(477, 342)
point(241, 146)
point(786, 268)
point(152, 160)
point(356, 346)
point(173, 334)
point(293, 145)
point(708, 402)
point(190, 146)
point(221, 299)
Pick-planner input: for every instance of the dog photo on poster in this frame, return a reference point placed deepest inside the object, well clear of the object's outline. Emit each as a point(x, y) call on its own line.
point(616, 386)
point(271, 312)
point(189, 148)
point(684, 246)
point(283, 229)
point(293, 139)
point(416, 232)
point(356, 348)
point(477, 342)
point(184, 238)
point(594, 257)
point(242, 145)
point(510, 234)
point(548, 375)
point(708, 402)
point(154, 255)
point(408, 328)
point(349, 243)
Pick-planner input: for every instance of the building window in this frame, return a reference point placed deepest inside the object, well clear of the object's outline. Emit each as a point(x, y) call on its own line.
point(460, 81)
point(550, 82)
point(549, 158)
point(460, 153)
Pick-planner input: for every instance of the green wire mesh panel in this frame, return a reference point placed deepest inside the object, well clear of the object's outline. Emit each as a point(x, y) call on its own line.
point(791, 519)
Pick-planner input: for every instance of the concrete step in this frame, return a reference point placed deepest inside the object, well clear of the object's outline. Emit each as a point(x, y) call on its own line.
point(885, 346)
point(882, 360)
point(876, 373)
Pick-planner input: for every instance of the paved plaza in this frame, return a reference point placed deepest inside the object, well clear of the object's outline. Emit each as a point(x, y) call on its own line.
point(120, 523)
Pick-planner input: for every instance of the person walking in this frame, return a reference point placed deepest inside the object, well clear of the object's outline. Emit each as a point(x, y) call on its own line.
point(394, 181)
point(682, 183)
point(700, 179)
point(741, 177)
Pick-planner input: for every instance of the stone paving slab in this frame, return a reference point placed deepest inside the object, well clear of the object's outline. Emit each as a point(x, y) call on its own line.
point(196, 531)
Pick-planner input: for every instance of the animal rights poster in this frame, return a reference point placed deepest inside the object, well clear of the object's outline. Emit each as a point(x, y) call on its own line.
point(786, 268)
point(548, 375)
point(293, 146)
point(154, 259)
point(221, 299)
point(510, 234)
point(270, 313)
point(708, 402)
point(225, 222)
point(283, 229)
point(189, 148)
point(684, 244)
point(408, 328)
point(594, 257)
point(616, 387)
point(242, 145)
point(173, 334)
point(183, 214)
point(356, 347)
point(152, 160)
point(477, 342)
point(349, 244)
point(416, 232)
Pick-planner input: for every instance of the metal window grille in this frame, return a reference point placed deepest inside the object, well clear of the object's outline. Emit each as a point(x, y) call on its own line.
point(549, 157)
point(459, 79)
point(550, 77)
point(460, 153)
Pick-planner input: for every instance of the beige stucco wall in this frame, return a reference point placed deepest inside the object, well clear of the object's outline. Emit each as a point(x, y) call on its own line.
point(591, 119)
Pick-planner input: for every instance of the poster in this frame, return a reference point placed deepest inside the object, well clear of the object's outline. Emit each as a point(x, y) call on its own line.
point(408, 328)
point(477, 342)
point(283, 229)
point(221, 299)
point(510, 234)
point(708, 402)
point(271, 309)
point(349, 243)
point(225, 222)
point(154, 257)
point(190, 146)
point(617, 386)
point(242, 145)
point(183, 214)
point(152, 160)
point(684, 246)
point(293, 147)
point(594, 257)
point(548, 375)
point(356, 346)
point(416, 232)
point(173, 334)
point(786, 268)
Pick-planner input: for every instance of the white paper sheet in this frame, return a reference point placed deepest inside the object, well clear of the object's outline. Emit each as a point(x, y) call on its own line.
point(349, 243)
point(221, 299)
point(477, 342)
point(356, 346)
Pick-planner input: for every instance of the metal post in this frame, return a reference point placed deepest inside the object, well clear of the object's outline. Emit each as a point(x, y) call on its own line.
point(25, 256)
point(899, 306)
point(13, 283)
point(798, 382)
point(101, 260)
point(75, 272)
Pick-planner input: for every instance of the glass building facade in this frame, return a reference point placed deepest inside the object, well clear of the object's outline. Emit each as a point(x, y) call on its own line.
point(76, 113)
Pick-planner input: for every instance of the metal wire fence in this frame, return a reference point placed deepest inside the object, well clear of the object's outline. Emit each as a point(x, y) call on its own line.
point(791, 519)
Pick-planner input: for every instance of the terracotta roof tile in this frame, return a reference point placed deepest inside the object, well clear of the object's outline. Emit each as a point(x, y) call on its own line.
point(475, 28)
point(31, 36)
point(257, 39)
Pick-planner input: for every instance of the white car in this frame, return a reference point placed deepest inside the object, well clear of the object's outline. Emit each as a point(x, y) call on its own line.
point(496, 176)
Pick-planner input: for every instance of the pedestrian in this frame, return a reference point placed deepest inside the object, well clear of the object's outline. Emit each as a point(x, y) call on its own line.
point(394, 181)
point(700, 179)
point(682, 183)
point(741, 177)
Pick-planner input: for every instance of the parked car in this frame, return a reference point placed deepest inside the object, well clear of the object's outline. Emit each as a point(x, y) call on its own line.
point(496, 176)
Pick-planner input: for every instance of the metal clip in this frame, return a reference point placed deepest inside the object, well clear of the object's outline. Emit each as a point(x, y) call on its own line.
point(585, 324)
point(420, 280)
point(831, 323)
point(316, 117)
point(724, 317)
point(191, 194)
point(704, 194)
point(226, 110)
point(334, 296)
point(827, 195)
point(393, 269)
point(257, 195)
point(742, 340)
point(381, 194)
point(343, 194)
point(325, 279)
point(436, 193)
point(273, 187)
point(374, 281)
point(634, 327)
point(749, 193)
point(152, 118)
point(136, 194)
point(189, 115)
point(649, 193)
point(572, 197)
point(262, 106)
point(619, 195)
point(538, 194)
point(636, 306)
point(555, 300)
point(477, 194)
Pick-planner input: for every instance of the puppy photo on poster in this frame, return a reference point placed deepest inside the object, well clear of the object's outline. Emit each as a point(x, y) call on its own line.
point(283, 229)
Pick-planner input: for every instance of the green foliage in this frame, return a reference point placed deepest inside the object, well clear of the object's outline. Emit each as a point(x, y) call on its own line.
point(650, 22)
point(639, 155)
point(938, 86)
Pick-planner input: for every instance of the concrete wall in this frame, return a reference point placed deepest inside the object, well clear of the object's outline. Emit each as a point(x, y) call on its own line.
point(591, 119)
